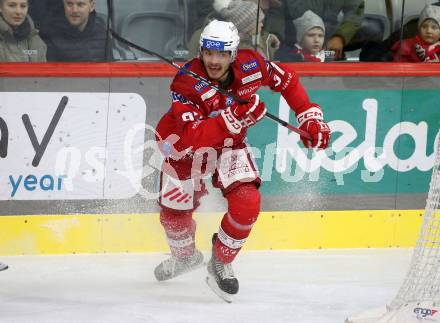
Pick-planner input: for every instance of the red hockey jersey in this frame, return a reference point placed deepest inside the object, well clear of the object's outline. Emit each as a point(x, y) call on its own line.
point(194, 120)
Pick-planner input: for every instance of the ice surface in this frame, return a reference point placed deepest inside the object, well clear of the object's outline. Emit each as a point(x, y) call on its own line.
point(321, 286)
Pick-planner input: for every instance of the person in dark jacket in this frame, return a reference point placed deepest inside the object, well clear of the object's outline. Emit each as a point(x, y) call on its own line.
point(78, 35)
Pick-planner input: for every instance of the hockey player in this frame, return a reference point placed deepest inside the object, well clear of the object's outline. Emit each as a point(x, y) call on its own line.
point(204, 133)
point(3, 266)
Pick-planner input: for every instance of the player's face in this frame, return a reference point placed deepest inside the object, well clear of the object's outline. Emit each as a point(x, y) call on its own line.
point(77, 12)
point(313, 41)
point(216, 63)
point(430, 31)
point(14, 11)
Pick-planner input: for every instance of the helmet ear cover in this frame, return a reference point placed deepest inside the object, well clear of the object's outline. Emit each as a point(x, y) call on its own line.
point(220, 36)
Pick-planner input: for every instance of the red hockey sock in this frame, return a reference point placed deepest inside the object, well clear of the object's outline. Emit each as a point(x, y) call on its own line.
point(236, 225)
point(180, 229)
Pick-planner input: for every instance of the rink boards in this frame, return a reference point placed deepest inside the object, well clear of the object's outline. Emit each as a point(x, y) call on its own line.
point(78, 162)
point(106, 233)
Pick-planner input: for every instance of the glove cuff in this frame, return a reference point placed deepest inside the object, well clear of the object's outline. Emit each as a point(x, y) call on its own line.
point(233, 125)
point(312, 113)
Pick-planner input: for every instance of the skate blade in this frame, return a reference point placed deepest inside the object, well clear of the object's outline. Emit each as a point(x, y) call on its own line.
point(3, 267)
point(214, 287)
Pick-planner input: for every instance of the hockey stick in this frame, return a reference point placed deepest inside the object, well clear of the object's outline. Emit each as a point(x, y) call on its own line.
point(240, 100)
point(256, 37)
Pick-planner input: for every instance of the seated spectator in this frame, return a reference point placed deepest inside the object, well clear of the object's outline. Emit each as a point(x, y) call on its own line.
point(310, 32)
point(77, 35)
point(243, 14)
point(380, 51)
point(341, 33)
point(425, 46)
point(19, 40)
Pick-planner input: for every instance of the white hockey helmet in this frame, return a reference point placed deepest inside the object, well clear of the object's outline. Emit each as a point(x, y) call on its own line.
point(222, 36)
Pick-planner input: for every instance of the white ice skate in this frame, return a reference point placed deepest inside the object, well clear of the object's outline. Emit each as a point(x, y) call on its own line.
point(3, 266)
point(173, 267)
point(221, 277)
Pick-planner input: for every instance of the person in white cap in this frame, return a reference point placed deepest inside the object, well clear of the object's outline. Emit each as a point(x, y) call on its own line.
point(425, 46)
point(342, 18)
point(203, 135)
point(310, 35)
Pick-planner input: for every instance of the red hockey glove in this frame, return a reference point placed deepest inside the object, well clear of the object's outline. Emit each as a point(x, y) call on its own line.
point(244, 115)
point(312, 121)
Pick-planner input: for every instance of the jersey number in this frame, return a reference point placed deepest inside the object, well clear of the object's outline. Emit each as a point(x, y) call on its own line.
point(188, 116)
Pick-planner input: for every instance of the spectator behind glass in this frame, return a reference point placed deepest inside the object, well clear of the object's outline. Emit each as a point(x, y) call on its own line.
point(19, 40)
point(78, 35)
point(310, 35)
point(380, 51)
point(425, 46)
point(243, 14)
point(341, 33)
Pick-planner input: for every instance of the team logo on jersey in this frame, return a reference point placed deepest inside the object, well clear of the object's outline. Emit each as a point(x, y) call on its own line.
point(249, 66)
point(176, 97)
point(200, 86)
point(229, 101)
point(213, 44)
point(251, 78)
